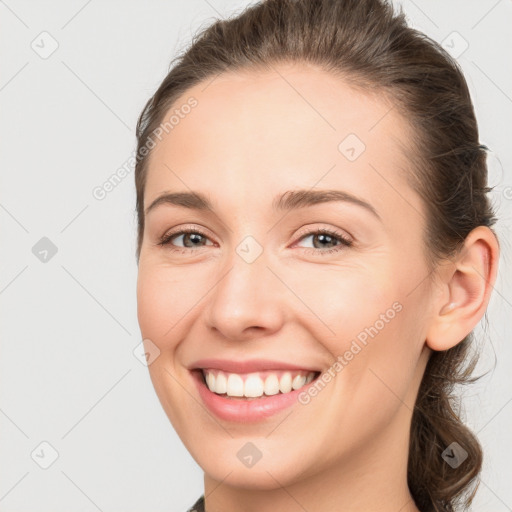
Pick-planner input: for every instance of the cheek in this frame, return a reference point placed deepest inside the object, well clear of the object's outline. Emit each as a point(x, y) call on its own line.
point(158, 308)
point(380, 340)
point(338, 303)
point(168, 299)
point(365, 314)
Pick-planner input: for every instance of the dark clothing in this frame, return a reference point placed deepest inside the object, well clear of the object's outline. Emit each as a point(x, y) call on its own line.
point(198, 505)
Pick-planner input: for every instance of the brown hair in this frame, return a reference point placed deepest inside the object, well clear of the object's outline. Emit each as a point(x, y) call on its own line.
point(369, 45)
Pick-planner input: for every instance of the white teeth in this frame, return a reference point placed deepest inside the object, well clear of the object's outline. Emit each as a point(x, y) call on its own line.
point(298, 381)
point(271, 385)
point(285, 383)
point(235, 386)
point(210, 380)
point(254, 386)
point(221, 384)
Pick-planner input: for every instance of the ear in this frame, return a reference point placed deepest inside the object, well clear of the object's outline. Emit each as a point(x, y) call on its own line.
point(466, 286)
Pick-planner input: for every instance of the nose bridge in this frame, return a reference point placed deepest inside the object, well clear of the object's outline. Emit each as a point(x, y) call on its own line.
point(246, 294)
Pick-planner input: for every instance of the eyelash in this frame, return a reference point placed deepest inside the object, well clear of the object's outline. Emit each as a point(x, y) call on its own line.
point(344, 242)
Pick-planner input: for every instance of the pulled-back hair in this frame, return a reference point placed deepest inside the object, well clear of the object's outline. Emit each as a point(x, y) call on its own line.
point(370, 46)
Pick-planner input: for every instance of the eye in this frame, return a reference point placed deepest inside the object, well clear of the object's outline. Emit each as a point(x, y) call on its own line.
point(326, 237)
point(192, 236)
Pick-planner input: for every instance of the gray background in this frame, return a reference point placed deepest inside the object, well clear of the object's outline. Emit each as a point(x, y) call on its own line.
point(68, 373)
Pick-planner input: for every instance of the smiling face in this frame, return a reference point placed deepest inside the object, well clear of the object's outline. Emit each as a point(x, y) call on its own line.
point(259, 284)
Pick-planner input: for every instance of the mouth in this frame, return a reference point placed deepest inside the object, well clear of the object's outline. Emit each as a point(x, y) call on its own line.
point(255, 385)
point(251, 397)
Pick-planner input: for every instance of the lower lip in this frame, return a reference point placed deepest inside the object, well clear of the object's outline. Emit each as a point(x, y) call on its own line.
point(245, 411)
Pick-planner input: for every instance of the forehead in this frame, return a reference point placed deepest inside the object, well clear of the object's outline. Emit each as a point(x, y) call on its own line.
point(292, 127)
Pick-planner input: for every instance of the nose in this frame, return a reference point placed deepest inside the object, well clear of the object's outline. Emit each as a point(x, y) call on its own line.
point(248, 300)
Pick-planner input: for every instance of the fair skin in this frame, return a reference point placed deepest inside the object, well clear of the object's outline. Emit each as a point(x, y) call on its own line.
point(251, 137)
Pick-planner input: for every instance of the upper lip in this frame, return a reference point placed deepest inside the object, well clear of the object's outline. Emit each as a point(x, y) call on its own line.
point(248, 366)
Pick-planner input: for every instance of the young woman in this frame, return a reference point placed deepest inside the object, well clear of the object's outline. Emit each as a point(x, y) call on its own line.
point(314, 250)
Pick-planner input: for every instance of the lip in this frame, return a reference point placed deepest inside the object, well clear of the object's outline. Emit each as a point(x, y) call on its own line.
point(249, 366)
point(245, 410)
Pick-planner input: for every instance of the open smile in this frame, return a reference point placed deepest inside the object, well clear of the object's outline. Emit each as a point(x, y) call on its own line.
point(250, 396)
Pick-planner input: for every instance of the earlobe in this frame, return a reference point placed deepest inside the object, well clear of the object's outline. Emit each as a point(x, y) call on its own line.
point(466, 290)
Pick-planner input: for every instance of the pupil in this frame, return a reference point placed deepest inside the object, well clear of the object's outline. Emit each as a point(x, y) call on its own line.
point(323, 236)
point(195, 236)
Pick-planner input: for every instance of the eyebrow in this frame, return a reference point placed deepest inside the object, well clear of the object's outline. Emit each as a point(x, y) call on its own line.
point(290, 200)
